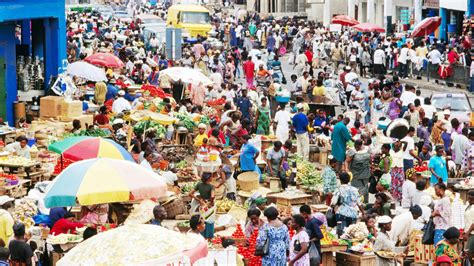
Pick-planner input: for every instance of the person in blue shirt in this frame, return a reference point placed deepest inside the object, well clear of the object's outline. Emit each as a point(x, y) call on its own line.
point(300, 124)
point(243, 105)
point(320, 121)
point(159, 214)
point(248, 155)
point(112, 90)
point(313, 226)
point(437, 166)
point(128, 96)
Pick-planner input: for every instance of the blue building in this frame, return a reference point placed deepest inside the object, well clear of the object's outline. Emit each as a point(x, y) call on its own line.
point(36, 28)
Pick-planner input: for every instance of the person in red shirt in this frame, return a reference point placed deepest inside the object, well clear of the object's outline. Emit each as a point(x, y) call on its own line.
point(66, 225)
point(453, 56)
point(249, 71)
point(309, 56)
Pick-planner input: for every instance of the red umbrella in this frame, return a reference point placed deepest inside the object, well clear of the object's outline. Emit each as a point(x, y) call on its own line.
point(368, 27)
point(105, 60)
point(426, 26)
point(344, 20)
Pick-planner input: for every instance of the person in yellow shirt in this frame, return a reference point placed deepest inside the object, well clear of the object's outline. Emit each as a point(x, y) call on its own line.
point(199, 139)
point(421, 51)
point(319, 91)
point(6, 219)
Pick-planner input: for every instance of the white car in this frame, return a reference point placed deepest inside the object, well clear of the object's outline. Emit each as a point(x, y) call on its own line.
point(458, 103)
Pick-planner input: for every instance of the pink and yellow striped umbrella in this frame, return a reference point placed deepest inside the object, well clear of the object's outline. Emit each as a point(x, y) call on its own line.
point(103, 180)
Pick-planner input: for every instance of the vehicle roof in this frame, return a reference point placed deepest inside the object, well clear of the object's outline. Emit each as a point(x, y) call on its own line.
point(192, 8)
point(442, 95)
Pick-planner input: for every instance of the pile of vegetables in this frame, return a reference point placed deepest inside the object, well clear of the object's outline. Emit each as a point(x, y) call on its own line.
point(205, 120)
point(154, 91)
point(223, 206)
point(186, 121)
point(220, 101)
point(181, 164)
point(88, 132)
point(187, 187)
point(141, 126)
point(307, 174)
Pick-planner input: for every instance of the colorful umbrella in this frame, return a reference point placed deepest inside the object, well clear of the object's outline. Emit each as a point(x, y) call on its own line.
point(86, 71)
point(143, 244)
point(103, 180)
point(426, 27)
point(105, 60)
point(344, 20)
point(81, 148)
point(368, 27)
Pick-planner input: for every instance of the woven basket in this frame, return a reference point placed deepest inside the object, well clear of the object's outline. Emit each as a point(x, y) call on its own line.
point(248, 181)
point(174, 208)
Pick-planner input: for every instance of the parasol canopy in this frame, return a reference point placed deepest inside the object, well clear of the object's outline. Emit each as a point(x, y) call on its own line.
point(82, 148)
point(143, 244)
point(368, 27)
point(97, 181)
point(344, 20)
point(105, 60)
point(87, 71)
point(426, 26)
point(187, 75)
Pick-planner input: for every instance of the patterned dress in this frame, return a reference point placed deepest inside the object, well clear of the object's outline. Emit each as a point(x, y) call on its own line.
point(302, 237)
point(444, 248)
point(397, 174)
point(279, 242)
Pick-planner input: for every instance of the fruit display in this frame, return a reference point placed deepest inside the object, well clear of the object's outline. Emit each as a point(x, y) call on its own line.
point(249, 252)
point(154, 91)
point(24, 211)
point(220, 101)
point(58, 168)
point(187, 187)
point(141, 126)
point(307, 174)
point(364, 247)
point(238, 233)
point(17, 161)
point(63, 239)
point(8, 179)
point(223, 206)
point(356, 231)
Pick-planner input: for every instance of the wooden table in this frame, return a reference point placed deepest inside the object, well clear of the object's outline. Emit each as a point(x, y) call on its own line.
point(287, 199)
point(327, 259)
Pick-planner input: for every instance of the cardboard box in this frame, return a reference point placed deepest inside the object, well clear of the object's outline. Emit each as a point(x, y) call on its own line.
point(86, 119)
point(71, 109)
point(51, 106)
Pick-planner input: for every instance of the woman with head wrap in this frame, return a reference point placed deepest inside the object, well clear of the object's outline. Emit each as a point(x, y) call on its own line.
point(448, 246)
point(383, 186)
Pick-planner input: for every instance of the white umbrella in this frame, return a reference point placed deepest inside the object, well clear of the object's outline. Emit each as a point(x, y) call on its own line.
point(187, 75)
point(86, 71)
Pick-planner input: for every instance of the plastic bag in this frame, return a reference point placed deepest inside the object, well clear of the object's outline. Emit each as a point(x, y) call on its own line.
point(314, 257)
point(428, 233)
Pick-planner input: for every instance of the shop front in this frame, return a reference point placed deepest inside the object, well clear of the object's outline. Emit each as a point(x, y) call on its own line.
point(32, 49)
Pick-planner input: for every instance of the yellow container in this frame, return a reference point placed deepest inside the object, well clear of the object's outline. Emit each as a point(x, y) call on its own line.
point(213, 155)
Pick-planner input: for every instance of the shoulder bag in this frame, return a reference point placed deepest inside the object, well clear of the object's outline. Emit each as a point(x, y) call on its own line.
point(262, 250)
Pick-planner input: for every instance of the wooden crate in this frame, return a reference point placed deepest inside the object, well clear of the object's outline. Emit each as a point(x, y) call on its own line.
point(348, 259)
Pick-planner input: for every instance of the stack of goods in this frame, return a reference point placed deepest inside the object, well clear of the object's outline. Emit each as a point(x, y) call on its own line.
point(141, 126)
point(217, 103)
point(174, 154)
point(16, 161)
point(423, 170)
point(356, 231)
point(224, 205)
point(366, 247)
point(24, 211)
point(8, 179)
point(323, 142)
point(249, 252)
point(330, 239)
point(238, 235)
point(187, 187)
point(59, 167)
point(186, 121)
point(142, 213)
point(307, 174)
point(210, 113)
point(154, 91)
point(216, 242)
point(88, 133)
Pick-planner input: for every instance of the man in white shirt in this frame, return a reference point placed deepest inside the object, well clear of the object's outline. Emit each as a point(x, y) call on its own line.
point(379, 61)
point(402, 61)
point(404, 222)
point(459, 145)
point(435, 57)
point(429, 109)
point(408, 96)
point(216, 78)
point(19, 147)
point(409, 189)
point(121, 104)
point(408, 144)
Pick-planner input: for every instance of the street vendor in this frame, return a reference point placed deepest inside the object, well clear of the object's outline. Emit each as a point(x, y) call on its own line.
point(199, 139)
point(330, 180)
point(95, 214)
point(6, 219)
point(19, 147)
point(275, 159)
point(66, 225)
point(205, 190)
point(404, 221)
point(254, 221)
point(383, 241)
point(159, 214)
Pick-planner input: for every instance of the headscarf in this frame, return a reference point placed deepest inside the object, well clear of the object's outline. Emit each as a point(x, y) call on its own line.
point(260, 201)
point(410, 172)
point(384, 182)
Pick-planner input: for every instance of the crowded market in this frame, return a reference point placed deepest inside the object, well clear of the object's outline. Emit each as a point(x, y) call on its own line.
point(208, 135)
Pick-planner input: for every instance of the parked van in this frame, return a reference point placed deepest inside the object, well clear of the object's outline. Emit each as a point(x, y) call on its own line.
point(193, 19)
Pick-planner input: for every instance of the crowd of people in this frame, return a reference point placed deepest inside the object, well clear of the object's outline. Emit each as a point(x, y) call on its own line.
point(363, 182)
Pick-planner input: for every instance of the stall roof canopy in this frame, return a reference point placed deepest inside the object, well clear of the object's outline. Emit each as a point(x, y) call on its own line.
point(31, 9)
